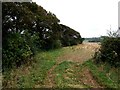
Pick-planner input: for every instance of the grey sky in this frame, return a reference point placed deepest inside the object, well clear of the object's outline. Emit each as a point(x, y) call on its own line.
point(91, 18)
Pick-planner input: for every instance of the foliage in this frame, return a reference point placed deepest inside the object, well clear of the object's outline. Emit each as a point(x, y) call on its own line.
point(27, 28)
point(16, 38)
point(109, 51)
point(69, 36)
point(93, 39)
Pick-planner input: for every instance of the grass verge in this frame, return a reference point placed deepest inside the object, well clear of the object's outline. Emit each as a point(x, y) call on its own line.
point(104, 74)
point(33, 75)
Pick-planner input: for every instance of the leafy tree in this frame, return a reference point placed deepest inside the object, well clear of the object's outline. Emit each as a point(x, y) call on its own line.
point(27, 28)
point(69, 36)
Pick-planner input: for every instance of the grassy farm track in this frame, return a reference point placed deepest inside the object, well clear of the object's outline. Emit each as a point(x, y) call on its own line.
point(73, 56)
point(68, 67)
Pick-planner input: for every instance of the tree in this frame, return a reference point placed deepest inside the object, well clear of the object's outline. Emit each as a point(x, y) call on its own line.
point(27, 28)
point(69, 36)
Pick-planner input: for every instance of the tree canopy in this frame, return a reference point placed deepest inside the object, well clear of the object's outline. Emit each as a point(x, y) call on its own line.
point(28, 27)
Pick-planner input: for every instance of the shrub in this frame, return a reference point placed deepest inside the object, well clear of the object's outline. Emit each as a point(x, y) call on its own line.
point(109, 51)
point(15, 51)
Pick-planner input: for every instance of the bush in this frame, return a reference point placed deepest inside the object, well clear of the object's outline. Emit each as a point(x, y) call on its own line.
point(109, 51)
point(15, 51)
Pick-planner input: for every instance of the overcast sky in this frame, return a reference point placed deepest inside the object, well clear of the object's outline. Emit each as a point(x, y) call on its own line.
point(92, 18)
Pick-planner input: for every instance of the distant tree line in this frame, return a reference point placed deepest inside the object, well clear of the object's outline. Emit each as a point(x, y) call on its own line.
point(27, 28)
point(93, 39)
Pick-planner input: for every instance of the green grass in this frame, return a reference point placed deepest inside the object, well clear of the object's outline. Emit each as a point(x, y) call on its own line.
point(66, 76)
point(59, 71)
point(36, 73)
point(101, 76)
